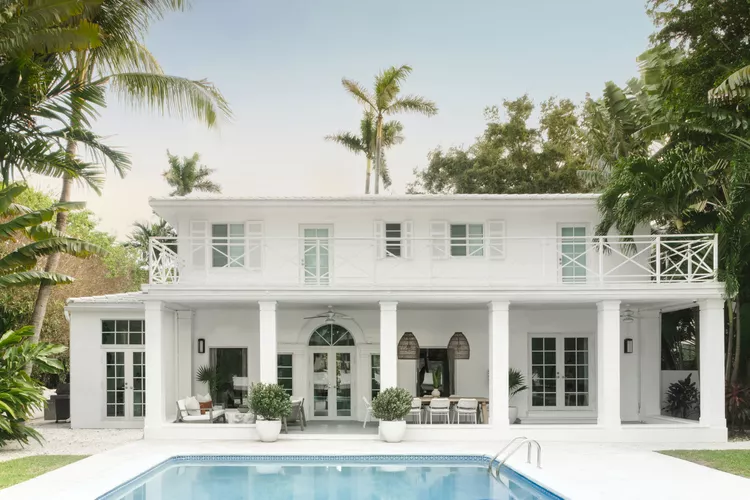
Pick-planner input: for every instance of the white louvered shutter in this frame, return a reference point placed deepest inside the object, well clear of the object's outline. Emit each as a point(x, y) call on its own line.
point(496, 239)
point(439, 239)
point(199, 243)
point(254, 242)
point(379, 234)
point(407, 245)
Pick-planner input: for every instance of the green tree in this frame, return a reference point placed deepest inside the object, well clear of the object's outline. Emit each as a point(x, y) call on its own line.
point(511, 156)
point(124, 65)
point(385, 100)
point(143, 232)
point(186, 175)
point(365, 143)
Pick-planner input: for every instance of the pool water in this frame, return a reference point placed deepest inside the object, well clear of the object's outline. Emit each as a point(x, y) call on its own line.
point(329, 478)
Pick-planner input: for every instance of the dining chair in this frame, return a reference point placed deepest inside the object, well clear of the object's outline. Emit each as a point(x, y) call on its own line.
point(440, 407)
point(416, 409)
point(368, 411)
point(466, 407)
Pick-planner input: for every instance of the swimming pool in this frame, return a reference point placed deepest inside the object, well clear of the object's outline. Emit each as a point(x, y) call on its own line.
point(370, 477)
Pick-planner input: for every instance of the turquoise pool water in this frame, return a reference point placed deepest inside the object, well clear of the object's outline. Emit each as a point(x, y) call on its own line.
point(327, 478)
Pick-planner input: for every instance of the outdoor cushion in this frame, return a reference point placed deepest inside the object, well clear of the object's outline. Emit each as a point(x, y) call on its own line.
point(202, 398)
point(203, 418)
point(205, 406)
point(193, 406)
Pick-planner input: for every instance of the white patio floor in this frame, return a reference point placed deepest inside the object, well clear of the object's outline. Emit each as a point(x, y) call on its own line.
point(576, 471)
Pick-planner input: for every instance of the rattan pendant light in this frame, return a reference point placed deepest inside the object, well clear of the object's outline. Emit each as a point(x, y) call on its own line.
point(408, 347)
point(460, 346)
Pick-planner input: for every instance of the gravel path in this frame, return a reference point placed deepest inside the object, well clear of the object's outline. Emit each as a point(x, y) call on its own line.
point(60, 439)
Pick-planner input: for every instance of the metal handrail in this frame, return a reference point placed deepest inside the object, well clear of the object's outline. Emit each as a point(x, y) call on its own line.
point(489, 467)
point(496, 471)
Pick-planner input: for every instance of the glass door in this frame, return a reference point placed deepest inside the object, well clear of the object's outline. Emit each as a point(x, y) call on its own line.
point(573, 254)
point(332, 384)
point(316, 252)
point(125, 379)
point(560, 372)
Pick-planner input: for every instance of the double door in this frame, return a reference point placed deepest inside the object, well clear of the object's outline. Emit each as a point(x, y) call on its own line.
point(125, 384)
point(560, 372)
point(332, 383)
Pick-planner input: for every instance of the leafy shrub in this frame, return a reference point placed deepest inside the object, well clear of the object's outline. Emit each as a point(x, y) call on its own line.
point(391, 404)
point(516, 382)
point(682, 398)
point(270, 401)
point(19, 392)
point(738, 406)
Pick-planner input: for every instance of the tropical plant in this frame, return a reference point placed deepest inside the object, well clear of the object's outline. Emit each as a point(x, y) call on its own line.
point(735, 87)
point(437, 378)
point(737, 406)
point(20, 394)
point(516, 382)
point(383, 101)
point(270, 401)
point(123, 65)
point(209, 376)
point(143, 232)
point(392, 404)
point(186, 175)
point(682, 398)
point(366, 142)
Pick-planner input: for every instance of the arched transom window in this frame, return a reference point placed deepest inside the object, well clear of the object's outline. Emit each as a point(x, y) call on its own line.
point(331, 335)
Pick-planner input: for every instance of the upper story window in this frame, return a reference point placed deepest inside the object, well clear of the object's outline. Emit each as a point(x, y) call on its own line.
point(393, 239)
point(467, 240)
point(227, 245)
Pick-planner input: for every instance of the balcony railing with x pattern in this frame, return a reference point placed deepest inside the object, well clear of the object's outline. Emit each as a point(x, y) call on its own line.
point(465, 262)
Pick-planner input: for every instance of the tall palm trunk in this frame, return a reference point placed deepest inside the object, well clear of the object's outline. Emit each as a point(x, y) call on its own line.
point(367, 175)
point(378, 151)
point(737, 344)
point(730, 340)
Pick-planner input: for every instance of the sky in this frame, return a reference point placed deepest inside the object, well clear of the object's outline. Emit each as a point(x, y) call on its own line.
point(280, 63)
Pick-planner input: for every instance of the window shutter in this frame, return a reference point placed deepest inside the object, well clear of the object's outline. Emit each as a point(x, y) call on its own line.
point(379, 234)
point(407, 228)
point(496, 239)
point(439, 239)
point(254, 244)
point(199, 239)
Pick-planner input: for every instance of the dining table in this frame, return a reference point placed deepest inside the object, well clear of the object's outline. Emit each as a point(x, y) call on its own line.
point(483, 408)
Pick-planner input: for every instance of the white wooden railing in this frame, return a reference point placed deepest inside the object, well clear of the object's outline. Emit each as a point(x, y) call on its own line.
point(476, 262)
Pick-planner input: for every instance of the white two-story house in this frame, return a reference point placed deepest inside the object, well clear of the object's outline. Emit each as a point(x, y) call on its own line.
point(337, 298)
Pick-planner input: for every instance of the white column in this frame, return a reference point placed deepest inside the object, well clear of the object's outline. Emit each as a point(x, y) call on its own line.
point(649, 331)
point(267, 340)
point(608, 363)
point(388, 345)
point(155, 405)
point(185, 349)
point(711, 369)
point(499, 346)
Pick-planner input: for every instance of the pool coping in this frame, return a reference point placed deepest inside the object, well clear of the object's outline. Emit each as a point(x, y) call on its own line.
point(428, 459)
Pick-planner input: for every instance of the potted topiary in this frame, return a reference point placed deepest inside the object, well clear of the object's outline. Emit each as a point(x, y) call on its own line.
point(516, 384)
point(270, 403)
point(391, 406)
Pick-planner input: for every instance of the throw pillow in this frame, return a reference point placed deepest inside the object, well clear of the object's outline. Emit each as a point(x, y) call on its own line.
point(203, 399)
point(193, 406)
point(205, 406)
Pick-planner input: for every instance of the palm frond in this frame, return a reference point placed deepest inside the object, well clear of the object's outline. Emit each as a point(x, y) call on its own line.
point(349, 141)
point(412, 104)
point(388, 84)
point(28, 278)
point(27, 256)
point(359, 93)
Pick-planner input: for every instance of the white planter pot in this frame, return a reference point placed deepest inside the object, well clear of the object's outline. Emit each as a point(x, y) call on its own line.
point(268, 430)
point(435, 393)
point(512, 414)
point(392, 431)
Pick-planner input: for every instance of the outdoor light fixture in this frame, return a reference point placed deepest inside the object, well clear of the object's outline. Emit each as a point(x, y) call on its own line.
point(408, 347)
point(201, 346)
point(459, 345)
point(628, 346)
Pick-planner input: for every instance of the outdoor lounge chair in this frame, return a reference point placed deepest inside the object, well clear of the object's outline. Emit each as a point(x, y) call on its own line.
point(296, 416)
point(212, 415)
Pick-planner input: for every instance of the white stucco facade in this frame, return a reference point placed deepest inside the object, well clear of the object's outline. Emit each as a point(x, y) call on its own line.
point(522, 277)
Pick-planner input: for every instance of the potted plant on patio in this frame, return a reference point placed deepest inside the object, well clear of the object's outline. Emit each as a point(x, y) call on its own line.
point(392, 406)
point(516, 384)
point(270, 403)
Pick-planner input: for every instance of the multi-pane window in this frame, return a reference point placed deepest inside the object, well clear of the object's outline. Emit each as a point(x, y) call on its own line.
point(544, 371)
point(284, 372)
point(227, 245)
point(123, 332)
point(139, 384)
point(467, 240)
point(374, 375)
point(576, 363)
point(393, 239)
point(573, 254)
point(115, 384)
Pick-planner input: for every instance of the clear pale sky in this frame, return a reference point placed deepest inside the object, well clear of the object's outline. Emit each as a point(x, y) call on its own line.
point(280, 63)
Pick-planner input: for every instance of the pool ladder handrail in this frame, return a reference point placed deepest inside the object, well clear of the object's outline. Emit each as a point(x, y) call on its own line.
point(519, 442)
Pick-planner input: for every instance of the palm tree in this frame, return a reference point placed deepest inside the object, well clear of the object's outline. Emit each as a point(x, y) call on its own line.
point(365, 143)
point(186, 175)
point(383, 101)
point(143, 232)
point(128, 69)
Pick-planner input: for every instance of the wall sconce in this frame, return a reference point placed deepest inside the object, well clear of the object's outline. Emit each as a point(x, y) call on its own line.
point(201, 346)
point(628, 346)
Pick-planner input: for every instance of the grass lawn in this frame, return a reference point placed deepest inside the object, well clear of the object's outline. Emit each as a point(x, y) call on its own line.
point(21, 469)
point(732, 461)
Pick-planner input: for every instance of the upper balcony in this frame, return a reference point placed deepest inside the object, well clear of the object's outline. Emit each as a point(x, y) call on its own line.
point(319, 261)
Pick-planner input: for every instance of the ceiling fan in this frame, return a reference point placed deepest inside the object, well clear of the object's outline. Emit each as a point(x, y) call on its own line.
point(330, 315)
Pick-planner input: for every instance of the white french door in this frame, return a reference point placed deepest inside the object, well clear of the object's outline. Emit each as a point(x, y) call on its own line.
point(125, 384)
point(560, 372)
point(316, 254)
point(332, 383)
point(572, 253)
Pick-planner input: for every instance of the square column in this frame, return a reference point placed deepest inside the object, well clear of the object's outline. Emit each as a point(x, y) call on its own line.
point(155, 394)
point(649, 334)
point(608, 363)
point(711, 368)
point(499, 346)
point(267, 341)
point(388, 345)
point(185, 348)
